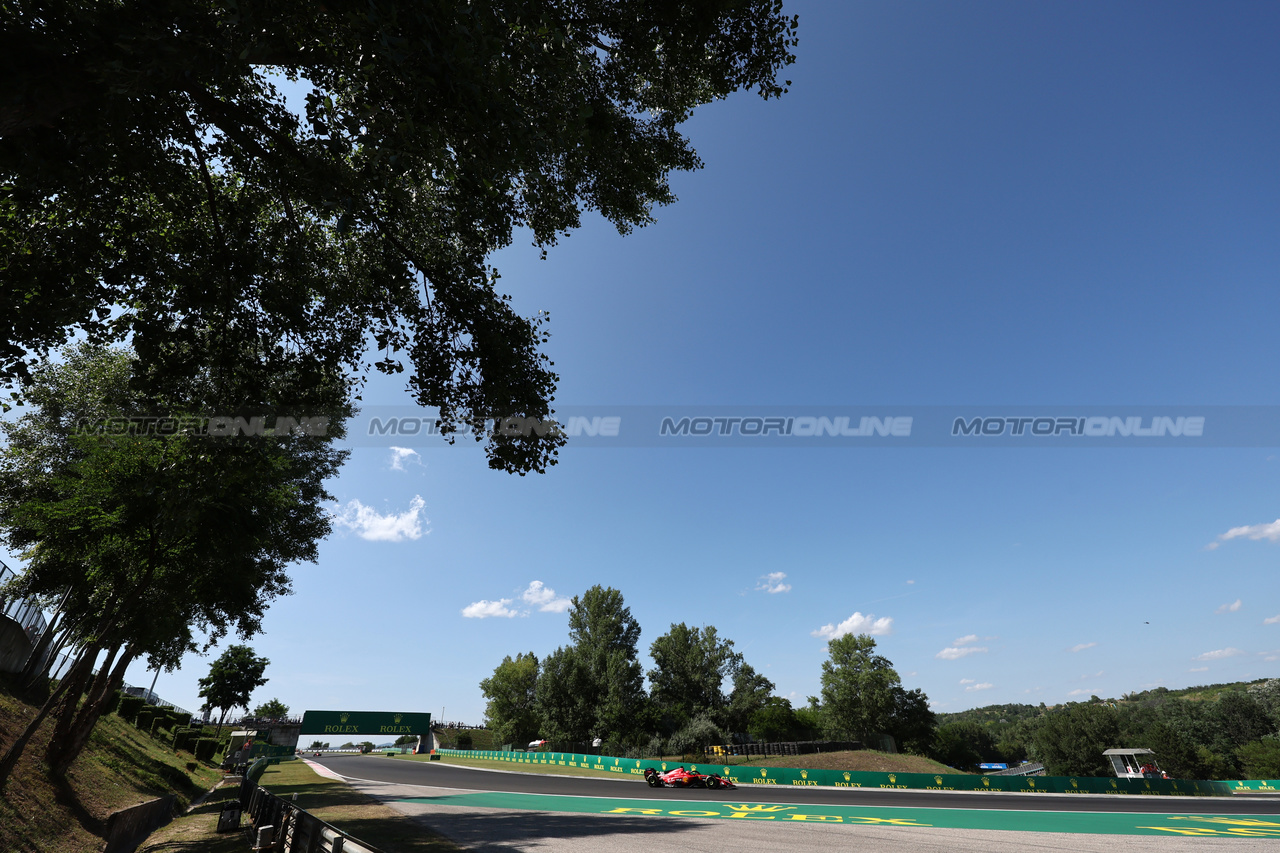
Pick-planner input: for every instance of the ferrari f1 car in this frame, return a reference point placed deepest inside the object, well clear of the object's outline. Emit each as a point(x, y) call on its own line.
point(681, 778)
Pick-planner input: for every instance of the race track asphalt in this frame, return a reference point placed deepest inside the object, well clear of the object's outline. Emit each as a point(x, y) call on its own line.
point(451, 776)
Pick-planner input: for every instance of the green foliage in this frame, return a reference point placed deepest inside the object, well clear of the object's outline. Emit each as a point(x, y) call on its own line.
point(511, 713)
point(185, 739)
point(1070, 740)
point(605, 658)
point(1267, 695)
point(774, 721)
point(145, 717)
point(962, 745)
point(857, 688)
point(1260, 759)
point(465, 741)
point(563, 697)
point(695, 736)
point(205, 748)
point(911, 722)
point(691, 668)
point(232, 678)
point(272, 709)
point(130, 706)
point(158, 186)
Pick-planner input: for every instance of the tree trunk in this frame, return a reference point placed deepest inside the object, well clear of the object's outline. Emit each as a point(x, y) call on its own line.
point(35, 665)
point(67, 720)
point(66, 750)
point(73, 682)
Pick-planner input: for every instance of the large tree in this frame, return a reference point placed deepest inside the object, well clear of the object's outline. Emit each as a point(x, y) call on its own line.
point(232, 678)
point(697, 672)
point(594, 687)
point(858, 687)
point(155, 185)
point(511, 712)
point(153, 540)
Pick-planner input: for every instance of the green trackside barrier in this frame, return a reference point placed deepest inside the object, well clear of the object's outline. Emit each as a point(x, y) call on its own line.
point(742, 774)
point(1248, 785)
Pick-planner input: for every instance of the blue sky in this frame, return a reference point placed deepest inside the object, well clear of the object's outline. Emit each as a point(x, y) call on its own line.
point(978, 204)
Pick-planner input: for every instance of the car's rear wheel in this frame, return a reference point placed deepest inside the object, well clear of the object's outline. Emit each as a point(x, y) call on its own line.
point(654, 781)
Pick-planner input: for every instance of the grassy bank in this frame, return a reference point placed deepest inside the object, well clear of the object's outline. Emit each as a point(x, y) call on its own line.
point(120, 767)
point(328, 799)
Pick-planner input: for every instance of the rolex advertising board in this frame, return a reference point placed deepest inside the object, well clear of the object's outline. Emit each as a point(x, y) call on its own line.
point(368, 723)
point(798, 777)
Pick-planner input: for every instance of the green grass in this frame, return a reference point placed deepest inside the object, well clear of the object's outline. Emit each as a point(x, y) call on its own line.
point(358, 814)
point(120, 767)
point(855, 760)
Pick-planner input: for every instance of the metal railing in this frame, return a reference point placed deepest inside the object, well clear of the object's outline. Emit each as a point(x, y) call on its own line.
point(293, 829)
point(21, 610)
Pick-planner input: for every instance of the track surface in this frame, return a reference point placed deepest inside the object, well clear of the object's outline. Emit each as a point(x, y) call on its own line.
point(441, 775)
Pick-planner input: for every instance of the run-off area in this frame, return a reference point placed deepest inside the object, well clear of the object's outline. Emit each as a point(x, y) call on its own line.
point(1106, 823)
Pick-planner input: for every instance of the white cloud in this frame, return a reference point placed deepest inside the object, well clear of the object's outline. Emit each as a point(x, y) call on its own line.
point(483, 609)
point(968, 681)
point(1219, 654)
point(1198, 669)
point(369, 524)
point(1230, 608)
point(402, 456)
point(910, 582)
point(964, 641)
point(957, 652)
point(544, 598)
point(1079, 647)
point(856, 624)
point(986, 685)
point(1270, 532)
point(1271, 620)
point(1083, 691)
point(772, 583)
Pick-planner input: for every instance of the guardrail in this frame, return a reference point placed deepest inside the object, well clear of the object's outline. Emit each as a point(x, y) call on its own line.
point(743, 775)
point(293, 830)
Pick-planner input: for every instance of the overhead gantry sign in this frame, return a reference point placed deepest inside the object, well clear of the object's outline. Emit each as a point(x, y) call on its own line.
point(369, 723)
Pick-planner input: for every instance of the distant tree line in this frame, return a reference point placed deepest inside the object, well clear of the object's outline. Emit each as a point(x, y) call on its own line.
point(1233, 735)
point(700, 691)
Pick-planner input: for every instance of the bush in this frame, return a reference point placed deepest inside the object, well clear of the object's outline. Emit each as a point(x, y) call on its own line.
point(205, 748)
point(1261, 758)
point(145, 717)
point(465, 740)
point(130, 706)
point(185, 739)
point(695, 736)
point(159, 723)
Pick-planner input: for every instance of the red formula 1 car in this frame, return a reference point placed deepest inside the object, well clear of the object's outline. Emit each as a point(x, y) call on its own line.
point(681, 778)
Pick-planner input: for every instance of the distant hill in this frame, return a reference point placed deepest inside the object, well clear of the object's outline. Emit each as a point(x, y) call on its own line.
point(1010, 714)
